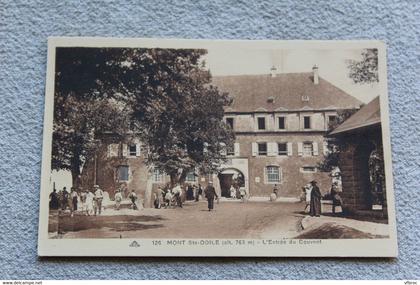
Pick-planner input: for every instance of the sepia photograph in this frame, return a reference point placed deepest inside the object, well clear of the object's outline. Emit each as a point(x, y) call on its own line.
point(228, 148)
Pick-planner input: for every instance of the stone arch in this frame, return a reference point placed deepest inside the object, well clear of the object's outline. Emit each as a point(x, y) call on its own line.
point(230, 176)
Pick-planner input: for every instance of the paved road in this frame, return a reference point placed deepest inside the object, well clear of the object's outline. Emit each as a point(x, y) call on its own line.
point(228, 220)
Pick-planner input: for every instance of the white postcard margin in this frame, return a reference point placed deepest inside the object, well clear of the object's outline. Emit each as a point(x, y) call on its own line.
point(382, 247)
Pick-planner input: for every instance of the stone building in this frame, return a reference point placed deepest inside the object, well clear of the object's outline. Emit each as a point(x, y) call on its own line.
point(361, 164)
point(280, 122)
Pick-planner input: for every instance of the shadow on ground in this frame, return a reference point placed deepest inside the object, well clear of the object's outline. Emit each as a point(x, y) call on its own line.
point(114, 223)
point(334, 231)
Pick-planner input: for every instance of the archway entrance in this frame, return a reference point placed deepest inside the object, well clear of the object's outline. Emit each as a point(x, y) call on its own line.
point(230, 177)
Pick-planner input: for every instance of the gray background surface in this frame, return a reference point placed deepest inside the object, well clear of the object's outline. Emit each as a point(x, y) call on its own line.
point(24, 28)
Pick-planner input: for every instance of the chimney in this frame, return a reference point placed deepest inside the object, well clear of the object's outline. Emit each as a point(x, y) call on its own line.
point(315, 72)
point(273, 71)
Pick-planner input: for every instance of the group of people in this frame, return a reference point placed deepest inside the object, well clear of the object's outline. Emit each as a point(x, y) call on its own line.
point(237, 192)
point(312, 195)
point(85, 201)
point(169, 197)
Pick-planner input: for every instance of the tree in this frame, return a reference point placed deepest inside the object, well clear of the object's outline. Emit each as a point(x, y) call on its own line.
point(365, 70)
point(180, 113)
point(74, 137)
point(84, 105)
point(164, 96)
point(335, 145)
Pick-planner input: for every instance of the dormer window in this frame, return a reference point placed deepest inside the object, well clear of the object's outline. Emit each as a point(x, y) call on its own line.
point(270, 99)
point(261, 123)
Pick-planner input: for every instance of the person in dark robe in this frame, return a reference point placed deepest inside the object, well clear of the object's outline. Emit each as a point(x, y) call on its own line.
point(190, 192)
point(64, 199)
point(210, 193)
point(315, 207)
point(54, 202)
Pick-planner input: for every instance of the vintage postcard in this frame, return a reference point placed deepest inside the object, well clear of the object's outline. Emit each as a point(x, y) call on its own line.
point(166, 147)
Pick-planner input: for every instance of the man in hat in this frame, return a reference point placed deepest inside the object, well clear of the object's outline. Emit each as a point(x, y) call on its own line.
point(210, 195)
point(315, 206)
point(99, 196)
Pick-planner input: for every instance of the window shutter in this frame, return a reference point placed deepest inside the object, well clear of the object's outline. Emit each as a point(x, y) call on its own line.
point(300, 149)
point(265, 175)
point(124, 149)
point(236, 147)
point(325, 146)
point(254, 149)
point(280, 174)
point(271, 149)
point(223, 149)
point(112, 150)
point(109, 149)
point(315, 148)
point(138, 149)
point(289, 149)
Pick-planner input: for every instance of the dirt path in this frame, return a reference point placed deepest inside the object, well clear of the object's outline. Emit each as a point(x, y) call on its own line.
point(228, 220)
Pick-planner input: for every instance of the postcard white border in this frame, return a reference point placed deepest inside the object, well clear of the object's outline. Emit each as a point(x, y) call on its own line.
point(121, 247)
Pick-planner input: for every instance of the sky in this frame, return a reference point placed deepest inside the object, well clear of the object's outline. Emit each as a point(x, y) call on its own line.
point(332, 65)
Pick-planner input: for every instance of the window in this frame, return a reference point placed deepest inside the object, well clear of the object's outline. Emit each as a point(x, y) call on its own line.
point(332, 120)
point(132, 150)
point(157, 176)
point(261, 123)
point(306, 122)
point(272, 174)
point(191, 177)
point(230, 150)
point(282, 123)
point(262, 148)
point(282, 149)
point(308, 169)
point(123, 173)
point(308, 149)
point(229, 121)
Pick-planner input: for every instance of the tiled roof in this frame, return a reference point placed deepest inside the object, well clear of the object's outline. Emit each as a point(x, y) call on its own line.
point(368, 115)
point(283, 92)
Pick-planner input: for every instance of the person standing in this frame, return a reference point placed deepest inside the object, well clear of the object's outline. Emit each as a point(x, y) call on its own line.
point(242, 192)
point(89, 202)
point(177, 192)
point(54, 202)
point(64, 197)
point(118, 198)
point(232, 192)
point(133, 197)
point(308, 190)
point(336, 199)
point(74, 199)
point(196, 194)
point(99, 196)
point(83, 205)
point(315, 206)
point(210, 193)
point(200, 191)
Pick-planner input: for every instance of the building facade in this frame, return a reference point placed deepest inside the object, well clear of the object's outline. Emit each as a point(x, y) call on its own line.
point(362, 162)
point(280, 123)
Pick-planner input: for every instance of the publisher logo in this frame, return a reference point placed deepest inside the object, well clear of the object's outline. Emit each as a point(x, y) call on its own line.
point(134, 244)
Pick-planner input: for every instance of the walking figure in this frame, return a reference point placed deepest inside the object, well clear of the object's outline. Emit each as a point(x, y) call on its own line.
point(315, 208)
point(210, 195)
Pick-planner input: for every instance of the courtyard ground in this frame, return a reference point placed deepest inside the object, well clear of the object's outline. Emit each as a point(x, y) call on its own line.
point(229, 220)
